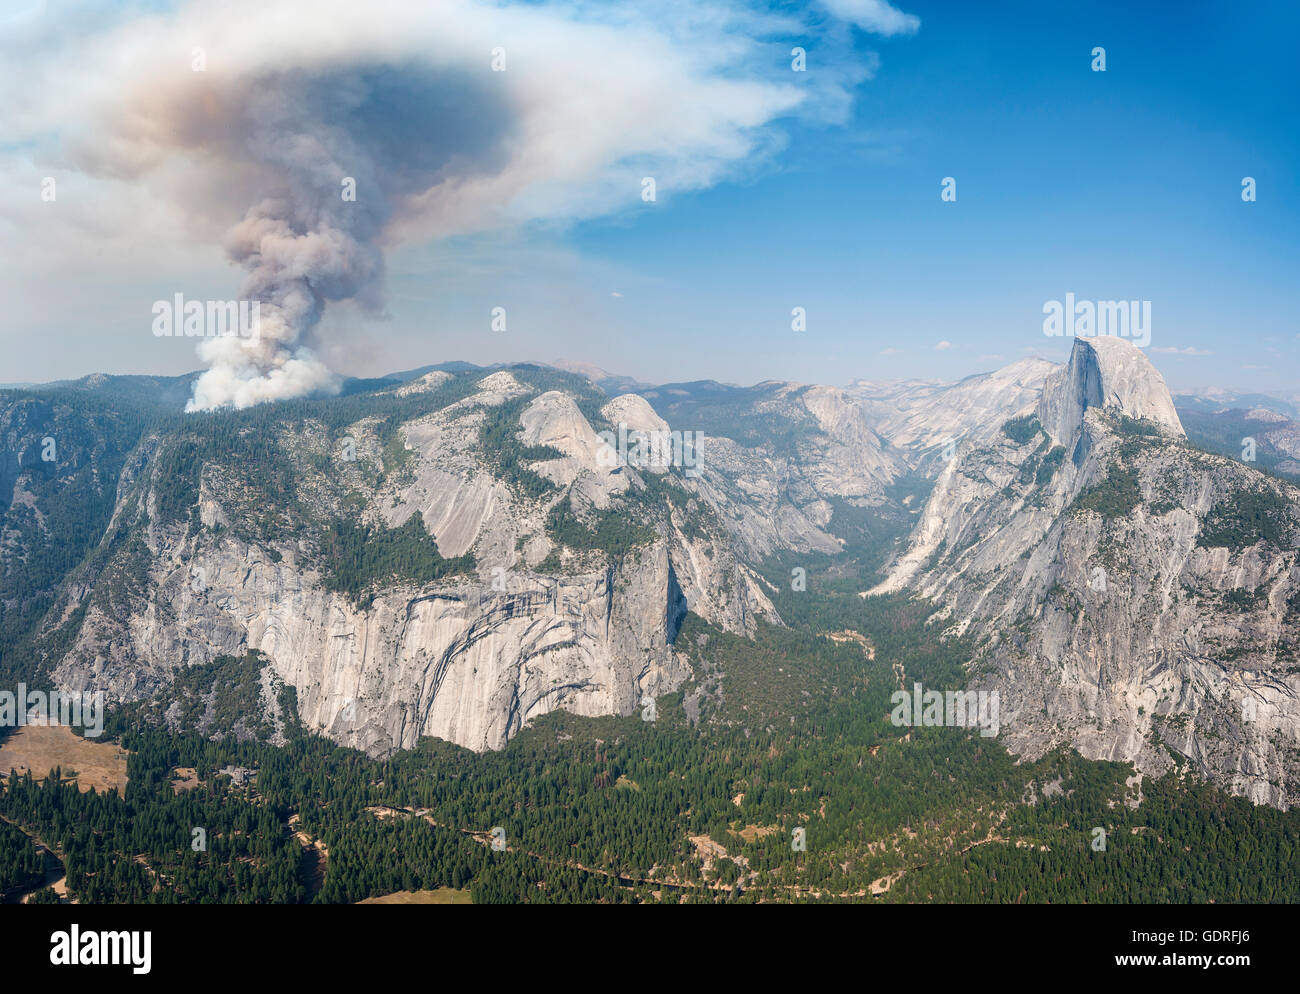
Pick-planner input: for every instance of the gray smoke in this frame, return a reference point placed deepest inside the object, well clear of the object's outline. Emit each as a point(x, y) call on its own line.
point(303, 139)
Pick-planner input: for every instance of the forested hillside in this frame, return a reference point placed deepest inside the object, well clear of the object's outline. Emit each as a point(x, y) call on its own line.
point(791, 732)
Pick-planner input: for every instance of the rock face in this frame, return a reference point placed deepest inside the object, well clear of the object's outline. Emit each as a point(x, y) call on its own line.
point(1125, 593)
point(1282, 434)
point(779, 458)
point(463, 662)
point(846, 458)
point(920, 418)
point(469, 659)
point(635, 412)
point(423, 384)
point(553, 420)
point(1104, 372)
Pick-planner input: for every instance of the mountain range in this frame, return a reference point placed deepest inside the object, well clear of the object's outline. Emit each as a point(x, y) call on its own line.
point(454, 551)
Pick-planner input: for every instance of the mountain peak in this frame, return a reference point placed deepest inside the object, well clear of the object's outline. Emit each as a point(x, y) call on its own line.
point(1105, 371)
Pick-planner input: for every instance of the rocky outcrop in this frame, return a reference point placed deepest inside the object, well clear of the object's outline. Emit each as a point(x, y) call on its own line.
point(919, 417)
point(553, 420)
point(470, 659)
point(635, 412)
point(1105, 372)
point(465, 662)
point(1125, 594)
point(423, 384)
point(845, 458)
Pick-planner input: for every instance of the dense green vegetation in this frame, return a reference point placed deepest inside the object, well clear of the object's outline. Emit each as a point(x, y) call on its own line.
point(1186, 843)
point(1050, 464)
point(362, 557)
point(1246, 517)
point(869, 534)
point(1116, 495)
point(499, 441)
point(1244, 600)
point(1138, 428)
point(219, 698)
point(613, 530)
point(141, 848)
point(21, 863)
point(1023, 429)
point(74, 491)
point(788, 731)
point(1040, 464)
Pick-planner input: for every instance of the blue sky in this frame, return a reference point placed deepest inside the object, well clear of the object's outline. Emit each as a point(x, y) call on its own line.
point(1123, 184)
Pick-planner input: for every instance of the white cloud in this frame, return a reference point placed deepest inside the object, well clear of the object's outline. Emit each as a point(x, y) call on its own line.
point(1189, 350)
point(877, 16)
point(943, 346)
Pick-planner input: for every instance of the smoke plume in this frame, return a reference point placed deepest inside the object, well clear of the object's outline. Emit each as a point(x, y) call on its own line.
point(452, 117)
point(340, 153)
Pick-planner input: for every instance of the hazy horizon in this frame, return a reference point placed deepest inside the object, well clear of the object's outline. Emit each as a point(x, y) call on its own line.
point(568, 362)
